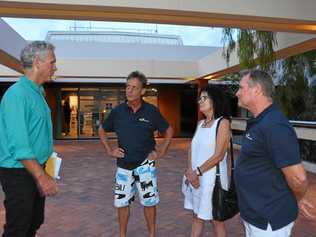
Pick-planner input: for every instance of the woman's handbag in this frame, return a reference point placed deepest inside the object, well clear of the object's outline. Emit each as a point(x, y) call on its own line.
point(225, 205)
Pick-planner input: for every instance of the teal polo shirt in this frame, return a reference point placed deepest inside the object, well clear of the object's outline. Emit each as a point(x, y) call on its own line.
point(25, 125)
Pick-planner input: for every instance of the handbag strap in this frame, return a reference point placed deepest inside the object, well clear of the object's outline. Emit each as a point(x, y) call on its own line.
point(231, 151)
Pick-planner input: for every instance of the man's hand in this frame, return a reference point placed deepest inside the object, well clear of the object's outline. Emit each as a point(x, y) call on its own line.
point(46, 185)
point(192, 178)
point(117, 153)
point(159, 153)
point(307, 209)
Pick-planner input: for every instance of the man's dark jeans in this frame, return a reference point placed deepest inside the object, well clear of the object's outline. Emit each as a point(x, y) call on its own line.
point(23, 204)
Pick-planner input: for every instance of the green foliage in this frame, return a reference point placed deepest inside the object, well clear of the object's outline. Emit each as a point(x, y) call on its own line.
point(253, 47)
point(265, 41)
point(229, 43)
point(293, 95)
point(310, 56)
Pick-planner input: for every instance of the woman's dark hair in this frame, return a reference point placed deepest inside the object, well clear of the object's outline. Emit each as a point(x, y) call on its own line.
point(221, 105)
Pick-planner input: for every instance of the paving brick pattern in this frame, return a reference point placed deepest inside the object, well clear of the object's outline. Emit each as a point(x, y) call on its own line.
point(83, 207)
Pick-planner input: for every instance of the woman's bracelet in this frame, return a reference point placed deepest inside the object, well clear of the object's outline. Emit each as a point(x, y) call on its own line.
point(199, 171)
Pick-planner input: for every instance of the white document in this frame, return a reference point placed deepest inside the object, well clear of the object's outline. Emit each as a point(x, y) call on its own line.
point(53, 165)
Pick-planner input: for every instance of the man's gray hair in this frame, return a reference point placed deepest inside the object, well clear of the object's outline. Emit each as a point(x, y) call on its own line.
point(33, 49)
point(262, 78)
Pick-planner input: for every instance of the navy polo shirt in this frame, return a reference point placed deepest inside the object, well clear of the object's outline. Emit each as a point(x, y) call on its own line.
point(269, 144)
point(135, 131)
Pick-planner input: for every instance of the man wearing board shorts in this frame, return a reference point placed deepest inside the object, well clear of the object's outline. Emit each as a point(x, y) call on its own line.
point(134, 123)
point(142, 179)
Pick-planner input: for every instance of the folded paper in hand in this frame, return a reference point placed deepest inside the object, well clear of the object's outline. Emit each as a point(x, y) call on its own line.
point(53, 166)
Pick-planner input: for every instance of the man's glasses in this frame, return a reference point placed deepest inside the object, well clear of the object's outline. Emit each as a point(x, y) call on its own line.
point(202, 99)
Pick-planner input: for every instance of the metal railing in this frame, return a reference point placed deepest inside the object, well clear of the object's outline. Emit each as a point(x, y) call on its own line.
point(305, 130)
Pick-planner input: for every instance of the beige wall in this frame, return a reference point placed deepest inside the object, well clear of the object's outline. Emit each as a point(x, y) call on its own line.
point(121, 68)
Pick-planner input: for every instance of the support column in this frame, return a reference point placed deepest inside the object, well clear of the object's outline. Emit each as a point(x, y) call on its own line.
point(169, 105)
point(51, 96)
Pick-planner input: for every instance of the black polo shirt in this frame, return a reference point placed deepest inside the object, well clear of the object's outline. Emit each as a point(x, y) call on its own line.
point(269, 144)
point(135, 131)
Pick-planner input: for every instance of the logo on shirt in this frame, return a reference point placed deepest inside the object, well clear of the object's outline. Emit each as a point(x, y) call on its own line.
point(143, 120)
point(249, 137)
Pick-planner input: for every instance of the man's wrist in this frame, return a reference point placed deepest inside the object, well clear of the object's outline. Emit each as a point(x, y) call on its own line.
point(159, 154)
point(154, 155)
point(38, 177)
point(109, 151)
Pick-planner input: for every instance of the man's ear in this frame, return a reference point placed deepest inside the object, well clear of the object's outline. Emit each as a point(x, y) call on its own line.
point(258, 89)
point(143, 91)
point(36, 62)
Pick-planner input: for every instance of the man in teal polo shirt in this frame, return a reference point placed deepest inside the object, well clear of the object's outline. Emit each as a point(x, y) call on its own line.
point(26, 142)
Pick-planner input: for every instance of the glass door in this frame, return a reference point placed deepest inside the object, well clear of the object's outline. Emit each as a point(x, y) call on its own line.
point(68, 122)
point(88, 119)
point(82, 110)
point(108, 100)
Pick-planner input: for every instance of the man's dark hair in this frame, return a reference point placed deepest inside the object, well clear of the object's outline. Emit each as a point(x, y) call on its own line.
point(262, 78)
point(138, 75)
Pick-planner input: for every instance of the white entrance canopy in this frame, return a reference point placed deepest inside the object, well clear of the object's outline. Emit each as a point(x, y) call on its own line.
point(281, 15)
point(89, 61)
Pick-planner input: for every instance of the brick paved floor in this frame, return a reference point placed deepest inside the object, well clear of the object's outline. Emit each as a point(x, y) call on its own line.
point(83, 208)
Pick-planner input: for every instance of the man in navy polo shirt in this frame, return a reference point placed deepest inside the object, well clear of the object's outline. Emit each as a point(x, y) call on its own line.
point(135, 122)
point(270, 178)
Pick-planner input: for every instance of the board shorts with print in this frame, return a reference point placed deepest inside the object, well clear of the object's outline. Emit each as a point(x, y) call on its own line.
point(142, 179)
